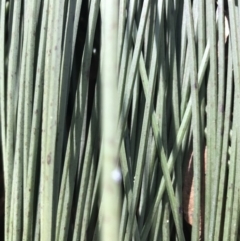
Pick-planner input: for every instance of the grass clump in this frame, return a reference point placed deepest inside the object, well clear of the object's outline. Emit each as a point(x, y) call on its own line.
point(102, 103)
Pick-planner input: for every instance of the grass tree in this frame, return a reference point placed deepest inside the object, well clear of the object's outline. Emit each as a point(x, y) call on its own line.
point(119, 119)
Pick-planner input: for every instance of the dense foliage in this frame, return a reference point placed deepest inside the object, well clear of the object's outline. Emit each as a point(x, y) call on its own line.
point(120, 119)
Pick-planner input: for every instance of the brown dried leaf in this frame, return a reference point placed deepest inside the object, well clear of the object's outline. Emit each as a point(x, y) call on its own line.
point(188, 193)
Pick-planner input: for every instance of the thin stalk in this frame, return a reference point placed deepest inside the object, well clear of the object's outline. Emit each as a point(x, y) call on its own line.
point(35, 131)
point(135, 117)
point(110, 213)
point(75, 27)
point(67, 54)
point(128, 186)
point(211, 119)
point(175, 92)
point(221, 94)
point(10, 133)
point(201, 28)
point(37, 220)
point(235, 204)
point(196, 126)
point(145, 181)
point(121, 27)
point(230, 190)
point(123, 221)
point(17, 186)
point(45, 111)
point(32, 13)
point(225, 145)
point(159, 224)
point(87, 207)
point(166, 233)
point(54, 57)
point(3, 8)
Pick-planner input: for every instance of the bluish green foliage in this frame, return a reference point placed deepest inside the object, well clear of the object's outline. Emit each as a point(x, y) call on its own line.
point(101, 103)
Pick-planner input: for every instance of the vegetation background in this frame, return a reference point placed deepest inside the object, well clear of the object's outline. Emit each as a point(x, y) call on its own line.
point(119, 120)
